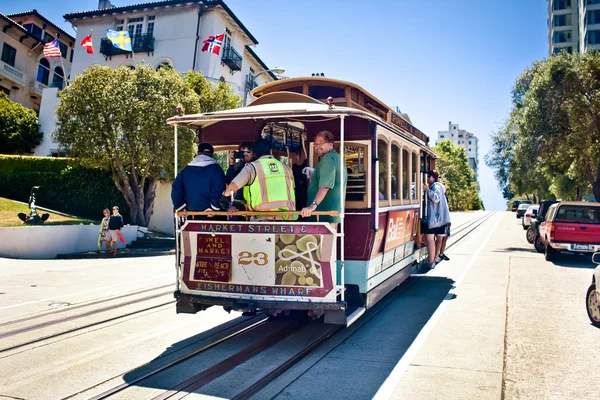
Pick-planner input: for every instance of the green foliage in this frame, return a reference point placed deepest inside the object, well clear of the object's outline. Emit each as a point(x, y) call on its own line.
point(462, 188)
point(19, 129)
point(212, 97)
point(64, 185)
point(550, 146)
point(14, 164)
point(115, 119)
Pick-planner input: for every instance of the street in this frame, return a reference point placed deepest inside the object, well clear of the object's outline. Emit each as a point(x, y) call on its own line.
point(497, 321)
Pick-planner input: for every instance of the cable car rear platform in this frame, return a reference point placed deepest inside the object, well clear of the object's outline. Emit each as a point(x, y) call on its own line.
point(338, 312)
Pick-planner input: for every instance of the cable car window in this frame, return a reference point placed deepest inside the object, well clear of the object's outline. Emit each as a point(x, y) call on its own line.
point(323, 92)
point(405, 175)
point(395, 172)
point(297, 89)
point(415, 169)
point(382, 155)
point(356, 187)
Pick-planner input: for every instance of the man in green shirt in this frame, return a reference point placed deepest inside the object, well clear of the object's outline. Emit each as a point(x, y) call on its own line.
point(324, 190)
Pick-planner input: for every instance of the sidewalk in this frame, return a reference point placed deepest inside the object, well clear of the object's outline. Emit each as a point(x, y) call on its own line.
point(152, 244)
point(514, 327)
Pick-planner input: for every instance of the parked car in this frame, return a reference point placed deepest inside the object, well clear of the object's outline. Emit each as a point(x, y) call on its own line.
point(571, 226)
point(534, 230)
point(530, 213)
point(521, 209)
point(515, 205)
point(592, 297)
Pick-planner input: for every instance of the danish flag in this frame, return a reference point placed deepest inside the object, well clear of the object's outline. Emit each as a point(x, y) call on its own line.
point(213, 43)
point(87, 43)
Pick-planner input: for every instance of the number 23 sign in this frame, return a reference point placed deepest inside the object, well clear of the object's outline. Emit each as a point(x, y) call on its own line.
point(247, 258)
point(253, 259)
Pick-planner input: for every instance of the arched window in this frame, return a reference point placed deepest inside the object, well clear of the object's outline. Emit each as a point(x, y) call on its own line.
point(166, 65)
point(382, 154)
point(58, 79)
point(405, 175)
point(43, 71)
point(415, 174)
point(395, 172)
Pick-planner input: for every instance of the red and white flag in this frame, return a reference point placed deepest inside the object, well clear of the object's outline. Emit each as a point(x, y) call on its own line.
point(87, 43)
point(51, 49)
point(213, 43)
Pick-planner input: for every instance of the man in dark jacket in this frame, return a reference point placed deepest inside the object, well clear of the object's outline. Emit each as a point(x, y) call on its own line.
point(115, 223)
point(200, 184)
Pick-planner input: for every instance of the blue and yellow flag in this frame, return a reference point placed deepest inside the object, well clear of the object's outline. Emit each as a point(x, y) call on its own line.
point(120, 39)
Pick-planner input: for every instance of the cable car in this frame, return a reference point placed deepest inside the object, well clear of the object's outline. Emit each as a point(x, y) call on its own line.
point(275, 265)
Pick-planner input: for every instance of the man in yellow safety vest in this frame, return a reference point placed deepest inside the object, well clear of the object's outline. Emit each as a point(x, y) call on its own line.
point(268, 184)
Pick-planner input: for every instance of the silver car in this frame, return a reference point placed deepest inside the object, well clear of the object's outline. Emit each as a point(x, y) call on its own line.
point(530, 213)
point(592, 298)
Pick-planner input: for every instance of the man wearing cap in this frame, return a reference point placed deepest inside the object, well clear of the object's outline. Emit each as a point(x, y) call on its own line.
point(115, 223)
point(200, 184)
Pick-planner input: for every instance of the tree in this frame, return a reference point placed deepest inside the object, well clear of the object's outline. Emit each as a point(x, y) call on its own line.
point(462, 188)
point(115, 119)
point(212, 97)
point(555, 121)
point(19, 129)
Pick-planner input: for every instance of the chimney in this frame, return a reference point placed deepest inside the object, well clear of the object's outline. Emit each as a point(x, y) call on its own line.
point(104, 4)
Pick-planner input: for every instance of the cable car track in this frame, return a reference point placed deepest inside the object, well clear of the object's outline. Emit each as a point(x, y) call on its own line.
point(208, 375)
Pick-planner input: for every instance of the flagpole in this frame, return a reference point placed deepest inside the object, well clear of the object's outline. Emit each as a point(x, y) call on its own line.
point(64, 70)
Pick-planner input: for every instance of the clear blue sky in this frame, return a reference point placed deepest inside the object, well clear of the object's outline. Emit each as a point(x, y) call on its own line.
point(438, 60)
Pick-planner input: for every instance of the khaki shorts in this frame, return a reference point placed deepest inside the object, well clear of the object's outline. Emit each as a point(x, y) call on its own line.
point(111, 235)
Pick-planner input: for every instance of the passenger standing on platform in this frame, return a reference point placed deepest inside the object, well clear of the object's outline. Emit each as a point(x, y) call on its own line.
point(267, 183)
point(237, 160)
point(324, 189)
point(200, 184)
point(438, 215)
point(236, 164)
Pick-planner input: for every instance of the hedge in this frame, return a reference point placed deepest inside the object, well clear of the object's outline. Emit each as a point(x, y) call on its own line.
point(64, 185)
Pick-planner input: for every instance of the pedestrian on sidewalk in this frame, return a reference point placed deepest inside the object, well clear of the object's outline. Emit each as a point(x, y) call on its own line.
point(115, 223)
point(103, 235)
point(438, 216)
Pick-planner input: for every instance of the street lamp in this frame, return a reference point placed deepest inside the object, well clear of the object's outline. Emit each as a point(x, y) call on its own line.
point(251, 79)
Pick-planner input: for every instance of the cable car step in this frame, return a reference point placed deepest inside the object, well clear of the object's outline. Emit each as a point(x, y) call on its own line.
point(344, 317)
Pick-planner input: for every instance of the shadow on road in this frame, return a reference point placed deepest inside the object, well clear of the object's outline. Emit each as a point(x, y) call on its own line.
point(378, 344)
point(573, 261)
point(512, 249)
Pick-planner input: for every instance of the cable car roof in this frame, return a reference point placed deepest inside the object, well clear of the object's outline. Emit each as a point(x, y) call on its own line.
point(286, 105)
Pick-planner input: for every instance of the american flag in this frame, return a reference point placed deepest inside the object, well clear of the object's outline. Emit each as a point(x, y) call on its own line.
point(51, 49)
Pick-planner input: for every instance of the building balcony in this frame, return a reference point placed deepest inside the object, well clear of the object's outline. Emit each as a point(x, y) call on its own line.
point(232, 58)
point(12, 74)
point(142, 43)
point(37, 88)
point(235, 88)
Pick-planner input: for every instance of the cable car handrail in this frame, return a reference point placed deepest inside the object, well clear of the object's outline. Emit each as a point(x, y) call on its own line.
point(255, 213)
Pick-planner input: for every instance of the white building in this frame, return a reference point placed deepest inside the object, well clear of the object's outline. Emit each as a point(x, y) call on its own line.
point(168, 31)
point(573, 25)
point(24, 71)
point(464, 139)
point(172, 31)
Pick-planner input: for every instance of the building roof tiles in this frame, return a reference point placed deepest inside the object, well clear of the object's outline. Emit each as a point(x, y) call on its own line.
point(161, 3)
point(43, 18)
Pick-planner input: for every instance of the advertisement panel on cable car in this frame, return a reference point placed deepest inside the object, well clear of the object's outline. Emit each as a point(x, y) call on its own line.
point(263, 260)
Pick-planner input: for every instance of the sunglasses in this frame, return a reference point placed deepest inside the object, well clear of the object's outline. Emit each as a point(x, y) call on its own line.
point(246, 151)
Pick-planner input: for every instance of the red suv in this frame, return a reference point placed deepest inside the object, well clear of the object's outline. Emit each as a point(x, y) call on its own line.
point(571, 226)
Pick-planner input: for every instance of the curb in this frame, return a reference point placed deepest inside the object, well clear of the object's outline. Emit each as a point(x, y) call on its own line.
point(121, 253)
